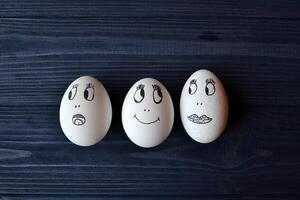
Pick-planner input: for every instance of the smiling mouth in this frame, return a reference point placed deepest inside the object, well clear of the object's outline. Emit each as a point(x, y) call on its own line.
point(78, 120)
point(203, 119)
point(146, 122)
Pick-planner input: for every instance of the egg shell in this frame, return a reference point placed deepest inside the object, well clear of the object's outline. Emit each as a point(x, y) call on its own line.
point(204, 106)
point(85, 111)
point(146, 117)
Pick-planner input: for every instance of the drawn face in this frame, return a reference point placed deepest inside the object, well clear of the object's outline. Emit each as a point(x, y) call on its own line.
point(147, 113)
point(139, 96)
point(209, 91)
point(204, 106)
point(88, 94)
point(85, 112)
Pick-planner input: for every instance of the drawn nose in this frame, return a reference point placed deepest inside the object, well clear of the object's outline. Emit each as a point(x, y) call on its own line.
point(77, 106)
point(146, 110)
point(199, 103)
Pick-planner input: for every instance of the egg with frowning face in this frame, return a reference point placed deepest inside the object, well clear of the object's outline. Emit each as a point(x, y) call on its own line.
point(85, 111)
point(204, 106)
point(147, 113)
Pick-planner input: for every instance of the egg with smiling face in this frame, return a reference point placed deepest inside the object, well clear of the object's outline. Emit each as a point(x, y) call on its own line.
point(85, 111)
point(204, 106)
point(147, 113)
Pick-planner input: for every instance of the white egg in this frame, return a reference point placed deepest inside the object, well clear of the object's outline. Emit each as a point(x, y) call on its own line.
point(204, 106)
point(148, 113)
point(85, 111)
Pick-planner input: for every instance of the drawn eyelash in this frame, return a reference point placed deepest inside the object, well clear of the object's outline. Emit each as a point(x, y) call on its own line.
point(156, 87)
point(193, 81)
point(210, 80)
point(75, 86)
point(140, 86)
point(89, 85)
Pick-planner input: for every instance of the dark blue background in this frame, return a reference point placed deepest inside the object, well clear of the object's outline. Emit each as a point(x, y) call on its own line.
point(253, 46)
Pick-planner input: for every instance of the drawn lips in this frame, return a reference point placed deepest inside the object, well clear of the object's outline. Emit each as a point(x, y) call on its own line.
point(78, 120)
point(203, 119)
point(145, 122)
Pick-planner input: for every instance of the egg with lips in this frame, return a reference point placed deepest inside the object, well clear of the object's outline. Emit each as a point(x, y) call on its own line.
point(85, 111)
point(147, 113)
point(204, 106)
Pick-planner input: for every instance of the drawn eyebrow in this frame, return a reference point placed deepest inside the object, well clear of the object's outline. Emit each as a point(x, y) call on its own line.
point(156, 87)
point(140, 86)
point(193, 81)
point(210, 80)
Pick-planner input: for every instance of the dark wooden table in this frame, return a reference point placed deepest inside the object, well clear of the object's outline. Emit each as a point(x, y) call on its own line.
point(253, 46)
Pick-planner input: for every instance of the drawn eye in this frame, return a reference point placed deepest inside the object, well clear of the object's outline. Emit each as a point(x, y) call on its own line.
point(193, 87)
point(89, 92)
point(73, 92)
point(157, 95)
point(210, 87)
point(139, 93)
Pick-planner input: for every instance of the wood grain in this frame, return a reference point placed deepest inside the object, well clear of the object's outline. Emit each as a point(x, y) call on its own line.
point(253, 46)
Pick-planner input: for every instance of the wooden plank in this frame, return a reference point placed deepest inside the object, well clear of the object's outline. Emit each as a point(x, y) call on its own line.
point(254, 156)
point(158, 8)
point(257, 59)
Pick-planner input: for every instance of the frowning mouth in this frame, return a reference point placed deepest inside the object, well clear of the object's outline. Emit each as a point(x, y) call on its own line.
point(78, 119)
point(147, 123)
point(203, 119)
